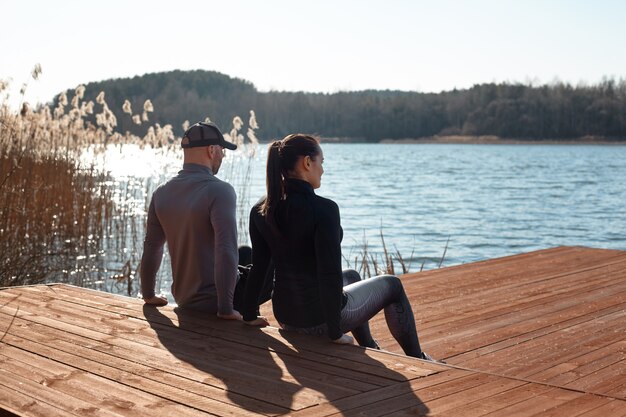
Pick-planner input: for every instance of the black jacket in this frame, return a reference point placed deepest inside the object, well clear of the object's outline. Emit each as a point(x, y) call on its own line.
point(306, 250)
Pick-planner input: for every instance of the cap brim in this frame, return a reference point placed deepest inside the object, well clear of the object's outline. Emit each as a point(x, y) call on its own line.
point(229, 145)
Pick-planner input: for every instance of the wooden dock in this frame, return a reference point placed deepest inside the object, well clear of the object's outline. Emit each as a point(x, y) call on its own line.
point(542, 333)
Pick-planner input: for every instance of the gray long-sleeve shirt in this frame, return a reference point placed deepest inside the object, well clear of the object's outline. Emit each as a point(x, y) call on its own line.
point(195, 213)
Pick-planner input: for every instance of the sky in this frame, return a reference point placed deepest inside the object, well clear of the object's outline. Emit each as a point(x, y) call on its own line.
point(314, 46)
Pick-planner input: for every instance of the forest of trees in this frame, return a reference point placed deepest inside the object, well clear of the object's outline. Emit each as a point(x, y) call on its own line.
point(508, 110)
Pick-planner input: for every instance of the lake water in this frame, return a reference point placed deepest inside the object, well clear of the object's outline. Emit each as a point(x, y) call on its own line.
point(472, 201)
point(488, 200)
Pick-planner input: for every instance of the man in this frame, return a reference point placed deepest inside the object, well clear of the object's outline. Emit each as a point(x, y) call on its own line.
point(194, 213)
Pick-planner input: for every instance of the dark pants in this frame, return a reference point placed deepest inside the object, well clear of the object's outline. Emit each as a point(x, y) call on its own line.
point(365, 299)
point(245, 262)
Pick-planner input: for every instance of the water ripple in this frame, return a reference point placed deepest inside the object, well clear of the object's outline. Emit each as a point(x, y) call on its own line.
point(483, 201)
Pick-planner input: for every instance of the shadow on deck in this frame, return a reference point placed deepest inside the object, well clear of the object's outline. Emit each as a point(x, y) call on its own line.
point(539, 333)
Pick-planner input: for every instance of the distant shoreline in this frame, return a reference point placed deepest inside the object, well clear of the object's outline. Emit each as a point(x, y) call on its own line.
point(495, 140)
point(483, 140)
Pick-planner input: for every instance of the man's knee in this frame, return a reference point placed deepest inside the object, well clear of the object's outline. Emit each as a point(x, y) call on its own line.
point(245, 255)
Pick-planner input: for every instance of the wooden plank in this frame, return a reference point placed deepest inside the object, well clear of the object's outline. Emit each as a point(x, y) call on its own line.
point(576, 339)
point(391, 393)
point(539, 404)
point(603, 380)
point(155, 355)
point(536, 259)
point(83, 387)
point(539, 354)
point(333, 355)
point(498, 401)
point(463, 359)
point(490, 303)
point(483, 294)
point(232, 374)
point(508, 273)
point(306, 343)
point(582, 365)
point(43, 390)
point(15, 403)
point(119, 370)
point(270, 387)
point(577, 406)
point(473, 289)
point(416, 402)
point(457, 401)
point(484, 337)
point(615, 408)
point(511, 313)
point(617, 392)
point(105, 336)
point(563, 350)
point(117, 386)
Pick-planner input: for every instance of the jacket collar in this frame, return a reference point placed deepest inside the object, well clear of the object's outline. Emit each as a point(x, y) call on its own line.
point(193, 168)
point(293, 185)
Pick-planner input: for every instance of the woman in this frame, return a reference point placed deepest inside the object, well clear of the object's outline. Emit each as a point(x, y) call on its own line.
point(301, 233)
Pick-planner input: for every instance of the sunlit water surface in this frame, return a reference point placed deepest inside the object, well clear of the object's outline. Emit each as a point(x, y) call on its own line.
point(472, 202)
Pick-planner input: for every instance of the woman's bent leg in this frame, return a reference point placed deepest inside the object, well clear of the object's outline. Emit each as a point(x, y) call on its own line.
point(361, 332)
point(368, 297)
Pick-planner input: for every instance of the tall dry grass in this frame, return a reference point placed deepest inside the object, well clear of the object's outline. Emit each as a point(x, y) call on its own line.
point(371, 263)
point(64, 219)
point(53, 208)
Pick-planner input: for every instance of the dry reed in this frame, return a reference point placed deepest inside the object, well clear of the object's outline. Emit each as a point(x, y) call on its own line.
point(63, 219)
point(369, 263)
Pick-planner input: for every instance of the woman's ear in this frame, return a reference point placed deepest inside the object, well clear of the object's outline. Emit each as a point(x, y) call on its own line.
point(303, 164)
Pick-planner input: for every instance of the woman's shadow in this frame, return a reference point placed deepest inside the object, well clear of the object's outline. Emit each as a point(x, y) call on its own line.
point(270, 371)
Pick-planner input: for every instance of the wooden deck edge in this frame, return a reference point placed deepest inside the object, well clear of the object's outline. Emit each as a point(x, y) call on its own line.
point(618, 252)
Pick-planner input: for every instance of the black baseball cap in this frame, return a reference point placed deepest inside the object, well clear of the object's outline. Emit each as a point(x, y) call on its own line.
point(205, 134)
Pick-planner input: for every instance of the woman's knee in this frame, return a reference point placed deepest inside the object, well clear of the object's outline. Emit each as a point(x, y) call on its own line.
point(350, 276)
point(393, 282)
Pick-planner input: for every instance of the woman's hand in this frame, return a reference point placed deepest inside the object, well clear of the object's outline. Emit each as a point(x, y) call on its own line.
point(344, 340)
point(156, 300)
point(260, 321)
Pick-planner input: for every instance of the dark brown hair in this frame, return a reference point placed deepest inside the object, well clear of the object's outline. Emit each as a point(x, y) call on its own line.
point(282, 157)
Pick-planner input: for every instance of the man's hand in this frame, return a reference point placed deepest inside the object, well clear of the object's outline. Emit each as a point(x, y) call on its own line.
point(259, 321)
point(156, 300)
point(344, 340)
point(232, 316)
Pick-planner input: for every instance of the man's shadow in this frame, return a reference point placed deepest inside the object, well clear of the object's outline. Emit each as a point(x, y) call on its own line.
point(260, 372)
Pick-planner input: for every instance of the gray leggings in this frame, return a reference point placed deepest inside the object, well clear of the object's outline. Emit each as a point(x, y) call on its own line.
point(365, 299)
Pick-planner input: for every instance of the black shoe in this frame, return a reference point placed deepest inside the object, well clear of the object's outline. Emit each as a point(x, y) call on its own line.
point(372, 344)
point(429, 358)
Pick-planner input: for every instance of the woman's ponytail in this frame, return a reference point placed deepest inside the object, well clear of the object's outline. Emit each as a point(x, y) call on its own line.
point(273, 181)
